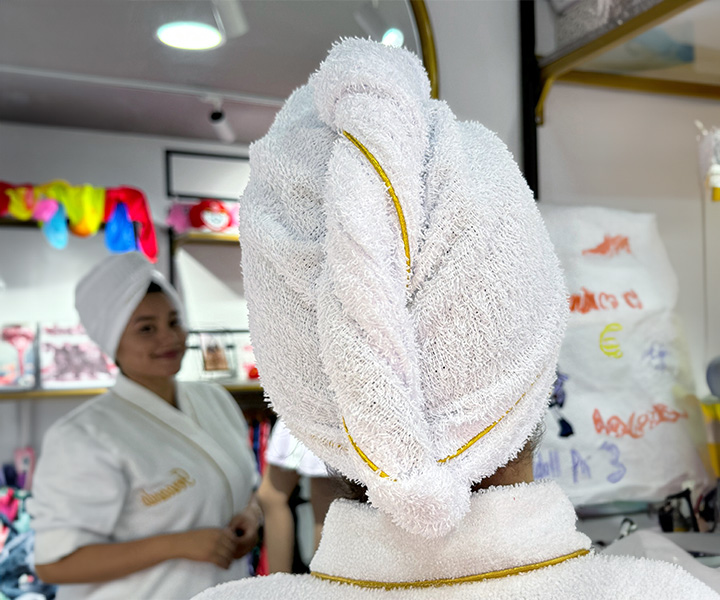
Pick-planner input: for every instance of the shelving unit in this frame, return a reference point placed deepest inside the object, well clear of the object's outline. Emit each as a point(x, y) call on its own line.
point(564, 64)
point(11, 222)
point(249, 395)
point(50, 394)
point(201, 237)
point(573, 64)
point(83, 393)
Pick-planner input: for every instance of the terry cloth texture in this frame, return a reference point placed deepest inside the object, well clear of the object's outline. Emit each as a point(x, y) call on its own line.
point(506, 528)
point(107, 296)
point(406, 304)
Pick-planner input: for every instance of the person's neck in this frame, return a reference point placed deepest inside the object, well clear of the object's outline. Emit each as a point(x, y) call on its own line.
point(521, 472)
point(160, 386)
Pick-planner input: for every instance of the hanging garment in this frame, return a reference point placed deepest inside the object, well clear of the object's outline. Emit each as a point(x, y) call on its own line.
point(517, 542)
point(284, 450)
point(139, 212)
point(126, 466)
point(17, 574)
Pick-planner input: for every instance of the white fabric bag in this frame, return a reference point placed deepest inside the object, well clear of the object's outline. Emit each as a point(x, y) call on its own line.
point(623, 418)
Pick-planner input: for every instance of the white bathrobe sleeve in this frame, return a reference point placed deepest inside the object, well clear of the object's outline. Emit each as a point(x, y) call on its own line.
point(234, 418)
point(78, 493)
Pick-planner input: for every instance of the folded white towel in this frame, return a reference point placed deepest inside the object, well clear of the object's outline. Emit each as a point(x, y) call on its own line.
point(109, 294)
point(406, 305)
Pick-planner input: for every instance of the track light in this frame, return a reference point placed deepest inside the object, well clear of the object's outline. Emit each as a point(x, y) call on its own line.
point(221, 126)
point(713, 376)
point(230, 18)
point(218, 120)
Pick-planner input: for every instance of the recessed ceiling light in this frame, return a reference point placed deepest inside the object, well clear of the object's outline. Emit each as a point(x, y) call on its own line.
point(189, 35)
point(393, 37)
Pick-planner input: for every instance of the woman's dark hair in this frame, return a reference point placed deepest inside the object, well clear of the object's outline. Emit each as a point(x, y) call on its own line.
point(346, 488)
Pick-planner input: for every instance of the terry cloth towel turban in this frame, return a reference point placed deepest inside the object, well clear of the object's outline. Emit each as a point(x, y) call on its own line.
point(108, 295)
point(406, 305)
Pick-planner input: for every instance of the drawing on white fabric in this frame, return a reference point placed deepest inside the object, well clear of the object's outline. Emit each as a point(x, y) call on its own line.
point(557, 402)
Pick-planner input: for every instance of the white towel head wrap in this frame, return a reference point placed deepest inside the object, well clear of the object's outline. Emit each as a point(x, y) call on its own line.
point(406, 304)
point(109, 294)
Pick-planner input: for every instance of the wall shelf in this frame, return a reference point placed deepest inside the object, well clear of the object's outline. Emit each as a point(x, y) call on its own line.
point(49, 394)
point(85, 393)
point(12, 222)
point(572, 63)
point(202, 237)
point(247, 387)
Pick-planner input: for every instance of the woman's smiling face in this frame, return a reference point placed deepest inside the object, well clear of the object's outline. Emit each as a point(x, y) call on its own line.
point(153, 343)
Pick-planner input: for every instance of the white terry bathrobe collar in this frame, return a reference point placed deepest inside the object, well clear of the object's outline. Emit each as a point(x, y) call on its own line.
point(362, 554)
point(507, 527)
point(186, 423)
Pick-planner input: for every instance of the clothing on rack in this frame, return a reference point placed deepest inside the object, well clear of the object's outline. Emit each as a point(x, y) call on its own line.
point(286, 451)
point(17, 541)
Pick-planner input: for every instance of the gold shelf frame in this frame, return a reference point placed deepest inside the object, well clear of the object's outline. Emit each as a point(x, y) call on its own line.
point(86, 393)
point(203, 237)
point(562, 66)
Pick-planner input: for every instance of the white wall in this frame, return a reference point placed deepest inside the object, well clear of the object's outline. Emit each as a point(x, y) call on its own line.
point(478, 51)
point(639, 152)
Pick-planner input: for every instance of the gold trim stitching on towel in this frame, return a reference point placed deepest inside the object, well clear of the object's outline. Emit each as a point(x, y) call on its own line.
point(403, 228)
point(460, 450)
point(362, 455)
point(485, 431)
point(391, 585)
point(380, 171)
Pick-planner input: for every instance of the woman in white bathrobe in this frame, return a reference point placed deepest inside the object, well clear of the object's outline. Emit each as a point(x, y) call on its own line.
point(407, 310)
point(148, 490)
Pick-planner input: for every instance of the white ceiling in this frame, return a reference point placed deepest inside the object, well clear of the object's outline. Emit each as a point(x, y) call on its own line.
point(96, 63)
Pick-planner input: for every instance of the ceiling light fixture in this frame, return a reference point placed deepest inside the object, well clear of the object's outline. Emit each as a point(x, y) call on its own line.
point(373, 24)
point(190, 35)
point(393, 37)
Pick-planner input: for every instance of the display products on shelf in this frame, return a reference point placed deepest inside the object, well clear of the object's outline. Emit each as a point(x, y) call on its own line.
point(69, 359)
point(17, 357)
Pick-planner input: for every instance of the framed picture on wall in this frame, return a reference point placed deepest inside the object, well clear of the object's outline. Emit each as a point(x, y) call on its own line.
point(194, 175)
point(214, 354)
point(210, 355)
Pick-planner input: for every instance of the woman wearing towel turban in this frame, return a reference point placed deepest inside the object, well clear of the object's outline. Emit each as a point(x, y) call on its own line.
point(147, 490)
point(407, 308)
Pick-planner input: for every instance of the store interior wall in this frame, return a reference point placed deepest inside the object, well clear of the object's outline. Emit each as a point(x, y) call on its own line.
point(478, 59)
point(44, 278)
point(639, 152)
point(478, 48)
